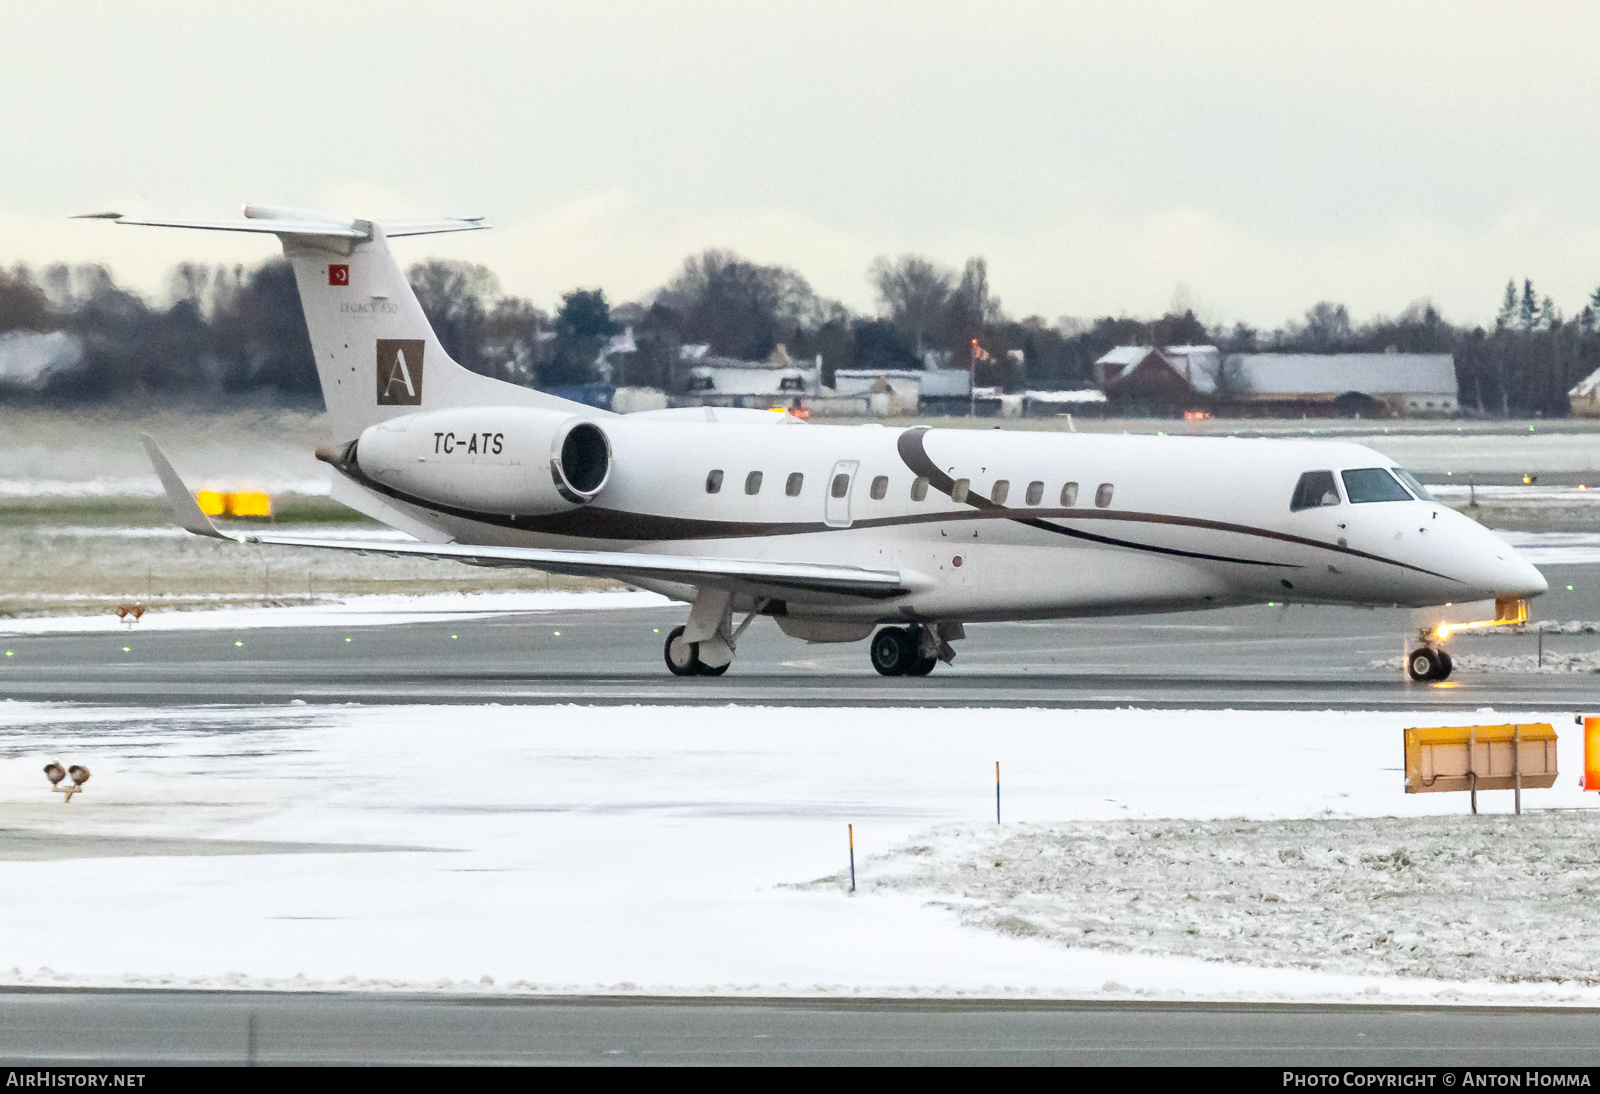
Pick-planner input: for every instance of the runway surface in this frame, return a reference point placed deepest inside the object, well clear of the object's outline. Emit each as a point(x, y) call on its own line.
point(1246, 658)
point(133, 1028)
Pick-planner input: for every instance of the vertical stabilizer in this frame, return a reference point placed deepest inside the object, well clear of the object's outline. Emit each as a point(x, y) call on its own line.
point(377, 355)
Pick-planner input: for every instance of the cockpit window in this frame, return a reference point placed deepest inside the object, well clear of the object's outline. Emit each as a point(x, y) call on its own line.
point(1373, 484)
point(1411, 481)
point(1314, 488)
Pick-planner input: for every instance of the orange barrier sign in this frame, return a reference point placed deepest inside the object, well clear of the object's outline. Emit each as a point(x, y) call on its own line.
point(1591, 753)
point(241, 503)
point(1510, 757)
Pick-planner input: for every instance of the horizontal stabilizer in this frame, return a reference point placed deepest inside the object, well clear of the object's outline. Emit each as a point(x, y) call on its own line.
point(242, 224)
point(309, 225)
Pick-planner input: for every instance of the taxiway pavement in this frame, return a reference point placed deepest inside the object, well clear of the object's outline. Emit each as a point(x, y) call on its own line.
point(1245, 658)
point(134, 1028)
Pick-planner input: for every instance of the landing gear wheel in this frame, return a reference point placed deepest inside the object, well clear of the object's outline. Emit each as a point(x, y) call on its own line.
point(1447, 666)
point(923, 666)
point(894, 652)
point(1424, 663)
point(683, 658)
point(707, 670)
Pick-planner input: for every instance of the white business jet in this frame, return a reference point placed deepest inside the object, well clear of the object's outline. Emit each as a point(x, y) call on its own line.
point(836, 532)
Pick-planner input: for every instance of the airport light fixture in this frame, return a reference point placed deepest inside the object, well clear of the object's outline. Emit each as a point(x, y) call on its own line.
point(57, 775)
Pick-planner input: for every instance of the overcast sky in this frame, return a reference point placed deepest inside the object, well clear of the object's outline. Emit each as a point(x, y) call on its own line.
point(1106, 158)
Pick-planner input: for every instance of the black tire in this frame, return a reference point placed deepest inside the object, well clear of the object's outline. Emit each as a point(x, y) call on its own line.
point(1423, 663)
point(707, 670)
point(923, 666)
point(693, 667)
point(1447, 665)
point(893, 652)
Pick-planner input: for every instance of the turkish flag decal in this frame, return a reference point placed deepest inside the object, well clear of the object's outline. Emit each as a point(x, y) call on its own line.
point(338, 273)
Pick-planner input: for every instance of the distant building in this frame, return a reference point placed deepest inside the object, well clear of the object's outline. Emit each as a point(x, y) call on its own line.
point(780, 380)
point(1340, 384)
point(1585, 398)
point(1143, 379)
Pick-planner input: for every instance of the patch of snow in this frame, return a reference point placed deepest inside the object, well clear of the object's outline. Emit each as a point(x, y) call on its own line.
point(1502, 898)
point(657, 849)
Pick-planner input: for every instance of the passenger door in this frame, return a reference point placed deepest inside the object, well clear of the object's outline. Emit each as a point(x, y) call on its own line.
point(836, 494)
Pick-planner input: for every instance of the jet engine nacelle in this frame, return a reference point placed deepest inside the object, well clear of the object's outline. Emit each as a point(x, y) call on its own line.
point(489, 459)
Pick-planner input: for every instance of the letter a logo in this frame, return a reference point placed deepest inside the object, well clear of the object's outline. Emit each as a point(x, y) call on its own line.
point(399, 372)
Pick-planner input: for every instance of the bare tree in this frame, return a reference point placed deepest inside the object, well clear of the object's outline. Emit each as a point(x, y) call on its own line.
point(916, 293)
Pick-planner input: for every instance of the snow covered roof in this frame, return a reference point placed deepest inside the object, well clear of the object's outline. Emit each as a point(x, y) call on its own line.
point(1124, 355)
point(1087, 395)
point(1586, 386)
point(1336, 373)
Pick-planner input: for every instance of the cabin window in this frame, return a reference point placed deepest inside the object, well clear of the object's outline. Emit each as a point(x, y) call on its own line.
point(713, 482)
point(1102, 496)
point(880, 487)
point(792, 487)
point(1069, 495)
point(919, 488)
point(841, 486)
point(1412, 484)
point(1000, 491)
point(1315, 488)
point(958, 490)
point(752, 483)
point(1372, 484)
point(1035, 492)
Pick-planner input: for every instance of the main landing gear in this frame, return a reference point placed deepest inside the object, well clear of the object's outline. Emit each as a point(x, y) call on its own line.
point(683, 658)
point(1428, 663)
point(898, 651)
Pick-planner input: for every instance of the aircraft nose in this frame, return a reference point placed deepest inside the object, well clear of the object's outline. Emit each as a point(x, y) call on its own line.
point(1515, 576)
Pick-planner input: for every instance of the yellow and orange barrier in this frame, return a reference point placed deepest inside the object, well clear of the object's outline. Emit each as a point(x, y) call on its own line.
point(239, 503)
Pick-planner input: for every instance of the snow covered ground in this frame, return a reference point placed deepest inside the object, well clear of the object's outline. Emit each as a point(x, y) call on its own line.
point(637, 849)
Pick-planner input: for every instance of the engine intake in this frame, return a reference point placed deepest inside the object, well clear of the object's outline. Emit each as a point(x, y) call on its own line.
point(485, 459)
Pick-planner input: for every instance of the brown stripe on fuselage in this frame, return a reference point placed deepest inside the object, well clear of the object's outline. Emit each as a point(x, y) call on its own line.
point(596, 522)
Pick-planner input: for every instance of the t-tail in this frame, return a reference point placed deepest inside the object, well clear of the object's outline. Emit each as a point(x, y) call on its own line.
point(377, 355)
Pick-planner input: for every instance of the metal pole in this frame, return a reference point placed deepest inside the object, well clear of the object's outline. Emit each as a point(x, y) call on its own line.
point(852, 830)
point(1516, 763)
point(997, 791)
point(1472, 765)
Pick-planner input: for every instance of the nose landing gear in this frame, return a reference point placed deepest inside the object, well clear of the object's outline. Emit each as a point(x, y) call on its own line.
point(1428, 663)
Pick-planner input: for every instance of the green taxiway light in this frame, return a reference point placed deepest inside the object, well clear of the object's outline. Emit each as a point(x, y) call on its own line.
point(558, 634)
point(238, 643)
point(8, 653)
point(653, 630)
point(127, 649)
point(1569, 589)
point(455, 636)
point(347, 639)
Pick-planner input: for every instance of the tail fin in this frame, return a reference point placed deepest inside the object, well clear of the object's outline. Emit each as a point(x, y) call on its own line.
point(377, 355)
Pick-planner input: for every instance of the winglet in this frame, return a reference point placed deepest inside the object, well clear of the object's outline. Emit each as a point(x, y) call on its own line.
point(185, 510)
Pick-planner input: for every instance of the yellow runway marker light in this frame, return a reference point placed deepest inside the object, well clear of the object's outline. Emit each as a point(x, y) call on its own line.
point(213, 503)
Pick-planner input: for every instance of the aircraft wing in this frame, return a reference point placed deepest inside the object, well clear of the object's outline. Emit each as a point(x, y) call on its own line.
point(760, 576)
